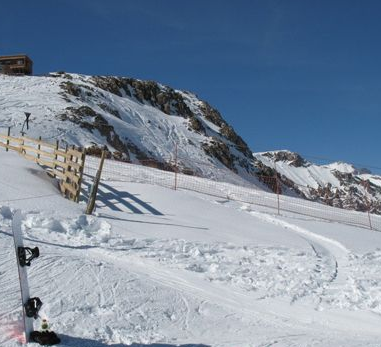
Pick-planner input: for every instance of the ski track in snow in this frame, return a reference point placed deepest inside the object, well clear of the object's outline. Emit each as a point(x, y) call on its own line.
point(324, 248)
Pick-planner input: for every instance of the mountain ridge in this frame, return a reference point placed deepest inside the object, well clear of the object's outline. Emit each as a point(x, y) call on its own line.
point(149, 123)
point(137, 120)
point(337, 184)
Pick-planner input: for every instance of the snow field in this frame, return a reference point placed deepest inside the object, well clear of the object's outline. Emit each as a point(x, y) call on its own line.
point(155, 266)
point(125, 172)
point(267, 270)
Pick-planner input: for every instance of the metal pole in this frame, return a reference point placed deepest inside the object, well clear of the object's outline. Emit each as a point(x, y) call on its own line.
point(176, 166)
point(277, 193)
point(277, 187)
point(370, 221)
point(368, 200)
point(26, 121)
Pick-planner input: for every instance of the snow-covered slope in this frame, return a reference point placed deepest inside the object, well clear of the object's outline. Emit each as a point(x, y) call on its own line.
point(137, 121)
point(337, 184)
point(159, 267)
point(144, 121)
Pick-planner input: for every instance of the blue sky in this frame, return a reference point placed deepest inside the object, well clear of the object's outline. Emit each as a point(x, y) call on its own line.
point(299, 75)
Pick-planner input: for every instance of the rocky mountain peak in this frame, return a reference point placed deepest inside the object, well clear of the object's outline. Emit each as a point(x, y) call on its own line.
point(337, 184)
point(290, 158)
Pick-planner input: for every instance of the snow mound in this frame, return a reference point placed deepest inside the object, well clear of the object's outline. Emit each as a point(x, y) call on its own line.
point(82, 230)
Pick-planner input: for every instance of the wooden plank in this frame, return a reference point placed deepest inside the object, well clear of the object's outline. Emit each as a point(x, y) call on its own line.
point(38, 151)
point(69, 188)
point(40, 142)
point(62, 188)
point(17, 149)
point(75, 153)
point(59, 174)
point(14, 148)
point(30, 157)
point(68, 164)
point(46, 155)
point(11, 138)
point(74, 178)
point(6, 137)
point(61, 164)
point(68, 158)
point(29, 139)
point(43, 162)
point(61, 153)
point(39, 161)
point(74, 166)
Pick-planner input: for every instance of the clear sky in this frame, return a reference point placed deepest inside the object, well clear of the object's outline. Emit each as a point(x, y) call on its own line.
point(286, 74)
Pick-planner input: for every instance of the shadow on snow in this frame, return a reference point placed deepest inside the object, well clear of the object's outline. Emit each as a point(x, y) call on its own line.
point(84, 342)
point(119, 200)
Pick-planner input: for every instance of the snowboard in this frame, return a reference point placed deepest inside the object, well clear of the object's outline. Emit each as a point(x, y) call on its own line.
point(24, 256)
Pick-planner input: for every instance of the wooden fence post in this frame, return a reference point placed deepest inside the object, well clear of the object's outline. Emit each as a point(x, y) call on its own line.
point(81, 169)
point(94, 188)
point(65, 158)
point(22, 150)
point(57, 148)
point(9, 134)
point(39, 147)
point(56, 156)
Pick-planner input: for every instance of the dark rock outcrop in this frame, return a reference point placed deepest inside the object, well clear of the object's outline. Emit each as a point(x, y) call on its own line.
point(353, 192)
point(87, 118)
point(293, 159)
point(219, 150)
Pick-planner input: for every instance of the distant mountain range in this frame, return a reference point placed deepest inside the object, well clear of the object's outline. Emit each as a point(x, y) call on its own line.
point(337, 184)
point(147, 122)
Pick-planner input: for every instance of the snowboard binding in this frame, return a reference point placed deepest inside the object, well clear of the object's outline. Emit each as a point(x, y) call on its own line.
point(26, 255)
point(44, 338)
point(32, 307)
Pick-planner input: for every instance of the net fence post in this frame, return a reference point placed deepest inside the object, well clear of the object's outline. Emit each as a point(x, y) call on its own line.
point(176, 166)
point(277, 186)
point(9, 134)
point(369, 205)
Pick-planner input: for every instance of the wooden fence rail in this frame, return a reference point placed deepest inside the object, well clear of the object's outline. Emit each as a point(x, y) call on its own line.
point(65, 164)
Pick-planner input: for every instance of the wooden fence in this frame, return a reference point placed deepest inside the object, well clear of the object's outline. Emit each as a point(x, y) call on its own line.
point(66, 164)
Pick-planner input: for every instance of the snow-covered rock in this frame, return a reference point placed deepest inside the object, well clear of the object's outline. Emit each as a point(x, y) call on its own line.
point(338, 184)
